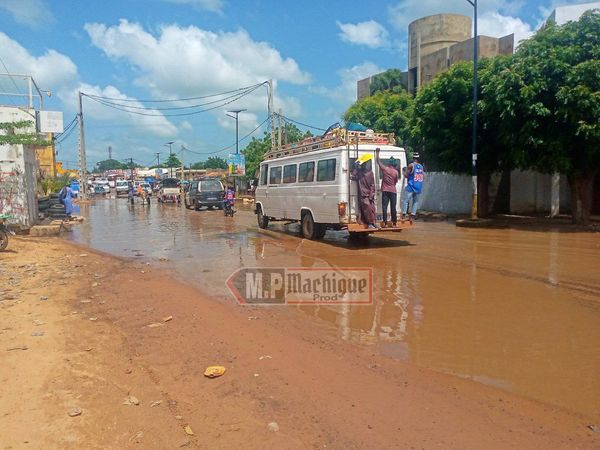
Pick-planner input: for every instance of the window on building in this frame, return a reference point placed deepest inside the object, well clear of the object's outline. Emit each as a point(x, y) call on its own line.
point(306, 172)
point(289, 173)
point(326, 170)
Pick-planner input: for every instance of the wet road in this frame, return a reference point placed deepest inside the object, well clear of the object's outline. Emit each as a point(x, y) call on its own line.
point(519, 310)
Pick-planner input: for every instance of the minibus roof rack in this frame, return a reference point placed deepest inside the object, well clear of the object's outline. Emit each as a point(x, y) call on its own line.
point(332, 138)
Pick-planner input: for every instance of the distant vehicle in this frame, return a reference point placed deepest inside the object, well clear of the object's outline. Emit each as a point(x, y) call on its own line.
point(169, 191)
point(207, 192)
point(99, 190)
point(122, 187)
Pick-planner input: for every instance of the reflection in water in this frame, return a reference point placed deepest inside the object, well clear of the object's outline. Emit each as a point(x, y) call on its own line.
point(518, 310)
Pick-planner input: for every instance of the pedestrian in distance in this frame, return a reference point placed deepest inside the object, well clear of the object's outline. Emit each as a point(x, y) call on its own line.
point(389, 179)
point(414, 186)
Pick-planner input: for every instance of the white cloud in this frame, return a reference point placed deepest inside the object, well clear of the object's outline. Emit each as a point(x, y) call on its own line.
point(497, 25)
point(33, 13)
point(370, 33)
point(157, 125)
point(188, 61)
point(209, 5)
point(405, 11)
point(52, 70)
point(345, 93)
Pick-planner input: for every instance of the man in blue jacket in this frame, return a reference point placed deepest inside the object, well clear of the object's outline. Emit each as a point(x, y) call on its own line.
point(414, 185)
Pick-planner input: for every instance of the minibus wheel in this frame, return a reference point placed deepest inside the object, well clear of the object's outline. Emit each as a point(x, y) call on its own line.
point(310, 229)
point(263, 221)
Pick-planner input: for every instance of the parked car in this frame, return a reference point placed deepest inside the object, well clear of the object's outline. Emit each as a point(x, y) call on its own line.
point(207, 192)
point(122, 187)
point(98, 190)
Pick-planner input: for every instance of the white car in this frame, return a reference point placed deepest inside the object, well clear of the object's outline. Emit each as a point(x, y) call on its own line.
point(122, 187)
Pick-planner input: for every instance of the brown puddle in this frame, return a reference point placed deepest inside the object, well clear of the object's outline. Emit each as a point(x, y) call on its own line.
point(519, 310)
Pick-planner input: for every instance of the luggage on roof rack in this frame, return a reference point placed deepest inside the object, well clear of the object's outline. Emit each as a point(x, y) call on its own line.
point(333, 138)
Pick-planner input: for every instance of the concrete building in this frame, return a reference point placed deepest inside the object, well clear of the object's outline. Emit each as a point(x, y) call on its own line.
point(564, 14)
point(18, 172)
point(435, 43)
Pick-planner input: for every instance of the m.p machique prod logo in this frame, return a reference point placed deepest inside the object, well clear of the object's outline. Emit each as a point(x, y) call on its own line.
point(301, 285)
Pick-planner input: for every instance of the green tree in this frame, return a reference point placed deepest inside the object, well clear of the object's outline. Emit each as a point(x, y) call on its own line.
point(215, 162)
point(552, 96)
point(388, 112)
point(390, 80)
point(108, 164)
point(442, 125)
point(172, 161)
point(17, 133)
point(256, 148)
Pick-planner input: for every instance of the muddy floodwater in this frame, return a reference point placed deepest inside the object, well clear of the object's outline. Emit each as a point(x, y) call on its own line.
point(519, 310)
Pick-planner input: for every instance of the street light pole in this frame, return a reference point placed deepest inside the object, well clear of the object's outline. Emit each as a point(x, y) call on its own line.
point(474, 212)
point(237, 141)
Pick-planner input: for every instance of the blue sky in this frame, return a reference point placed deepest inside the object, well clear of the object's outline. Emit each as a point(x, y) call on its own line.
point(314, 51)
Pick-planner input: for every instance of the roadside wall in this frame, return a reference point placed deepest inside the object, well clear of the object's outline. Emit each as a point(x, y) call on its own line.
point(446, 193)
point(530, 193)
point(18, 184)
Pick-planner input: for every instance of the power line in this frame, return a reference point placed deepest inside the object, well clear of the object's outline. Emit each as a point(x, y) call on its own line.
point(125, 109)
point(9, 75)
point(177, 99)
point(301, 124)
point(229, 146)
point(240, 94)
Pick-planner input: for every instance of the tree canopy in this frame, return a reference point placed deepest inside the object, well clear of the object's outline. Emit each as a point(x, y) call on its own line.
point(388, 112)
point(256, 148)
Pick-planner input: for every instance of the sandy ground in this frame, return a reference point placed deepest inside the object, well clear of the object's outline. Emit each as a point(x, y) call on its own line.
point(75, 337)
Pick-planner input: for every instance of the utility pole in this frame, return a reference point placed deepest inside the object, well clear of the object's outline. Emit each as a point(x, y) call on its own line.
point(158, 159)
point(82, 161)
point(271, 113)
point(182, 164)
point(279, 130)
point(474, 212)
point(109, 152)
point(130, 168)
point(237, 129)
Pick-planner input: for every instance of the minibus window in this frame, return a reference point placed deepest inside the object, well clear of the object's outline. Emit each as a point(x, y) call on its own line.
point(289, 173)
point(306, 172)
point(263, 174)
point(326, 170)
point(275, 175)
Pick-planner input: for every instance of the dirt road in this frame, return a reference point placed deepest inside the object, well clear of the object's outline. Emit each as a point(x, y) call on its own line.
point(82, 332)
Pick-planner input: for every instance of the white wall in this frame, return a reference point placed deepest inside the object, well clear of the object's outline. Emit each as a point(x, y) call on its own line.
point(447, 193)
point(18, 184)
point(530, 192)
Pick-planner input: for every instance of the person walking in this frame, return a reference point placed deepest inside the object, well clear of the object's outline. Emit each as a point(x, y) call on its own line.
point(414, 186)
point(389, 179)
point(66, 196)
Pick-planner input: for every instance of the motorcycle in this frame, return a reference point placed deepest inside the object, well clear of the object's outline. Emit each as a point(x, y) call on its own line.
point(4, 232)
point(228, 210)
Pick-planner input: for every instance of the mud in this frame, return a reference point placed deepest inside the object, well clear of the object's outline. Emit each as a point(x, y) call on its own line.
point(518, 310)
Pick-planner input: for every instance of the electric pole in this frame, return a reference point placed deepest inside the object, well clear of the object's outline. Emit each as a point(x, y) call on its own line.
point(271, 113)
point(109, 152)
point(82, 160)
point(279, 130)
point(182, 164)
point(158, 159)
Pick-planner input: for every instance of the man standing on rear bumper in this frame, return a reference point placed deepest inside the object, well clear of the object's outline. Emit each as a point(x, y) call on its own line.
point(414, 186)
point(389, 179)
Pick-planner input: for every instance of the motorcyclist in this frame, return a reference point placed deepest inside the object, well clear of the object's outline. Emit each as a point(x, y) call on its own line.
point(229, 198)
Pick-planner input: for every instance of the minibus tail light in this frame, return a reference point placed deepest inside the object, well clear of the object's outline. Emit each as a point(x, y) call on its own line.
point(342, 209)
